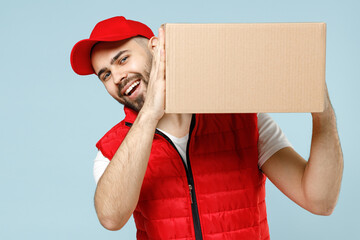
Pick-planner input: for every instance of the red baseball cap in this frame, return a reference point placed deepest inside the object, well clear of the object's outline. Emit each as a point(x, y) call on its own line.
point(108, 30)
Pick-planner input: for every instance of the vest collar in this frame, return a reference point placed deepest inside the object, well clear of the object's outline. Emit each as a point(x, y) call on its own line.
point(130, 115)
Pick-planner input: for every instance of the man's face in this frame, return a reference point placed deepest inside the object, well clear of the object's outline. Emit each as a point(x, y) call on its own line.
point(124, 68)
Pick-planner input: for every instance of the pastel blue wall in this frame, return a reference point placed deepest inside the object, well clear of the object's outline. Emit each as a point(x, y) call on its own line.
point(51, 118)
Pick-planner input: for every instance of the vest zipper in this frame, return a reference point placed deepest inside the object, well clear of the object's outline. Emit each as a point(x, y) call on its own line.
point(194, 206)
point(189, 176)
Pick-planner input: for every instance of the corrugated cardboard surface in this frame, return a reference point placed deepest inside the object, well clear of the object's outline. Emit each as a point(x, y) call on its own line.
point(233, 68)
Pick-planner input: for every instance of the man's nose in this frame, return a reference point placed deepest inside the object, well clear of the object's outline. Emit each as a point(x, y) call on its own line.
point(118, 76)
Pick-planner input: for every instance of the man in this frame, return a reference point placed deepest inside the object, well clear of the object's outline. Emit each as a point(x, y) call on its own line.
point(199, 176)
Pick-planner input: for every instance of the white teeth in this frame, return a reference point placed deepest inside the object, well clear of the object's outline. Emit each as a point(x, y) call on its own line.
point(132, 86)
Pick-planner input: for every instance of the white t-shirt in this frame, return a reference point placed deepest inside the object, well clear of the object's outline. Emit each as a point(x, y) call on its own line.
point(271, 140)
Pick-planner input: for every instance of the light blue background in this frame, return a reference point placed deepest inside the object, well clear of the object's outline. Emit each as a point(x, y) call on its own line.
point(51, 118)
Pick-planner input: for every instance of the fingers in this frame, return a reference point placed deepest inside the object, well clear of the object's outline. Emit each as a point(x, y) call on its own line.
point(155, 95)
point(162, 49)
point(158, 61)
point(161, 38)
point(160, 46)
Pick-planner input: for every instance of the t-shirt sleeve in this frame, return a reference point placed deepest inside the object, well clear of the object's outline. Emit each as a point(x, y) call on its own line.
point(100, 164)
point(271, 138)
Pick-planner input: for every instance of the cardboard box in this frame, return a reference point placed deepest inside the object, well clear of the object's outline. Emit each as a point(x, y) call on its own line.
point(233, 68)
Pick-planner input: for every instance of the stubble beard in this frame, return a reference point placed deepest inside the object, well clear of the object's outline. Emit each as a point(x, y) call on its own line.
point(138, 102)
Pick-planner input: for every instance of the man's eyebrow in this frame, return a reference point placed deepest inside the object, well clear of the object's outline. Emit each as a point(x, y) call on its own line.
point(101, 71)
point(117, 56)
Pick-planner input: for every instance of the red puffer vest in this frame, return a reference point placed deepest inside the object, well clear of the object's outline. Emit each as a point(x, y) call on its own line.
point(220, 196)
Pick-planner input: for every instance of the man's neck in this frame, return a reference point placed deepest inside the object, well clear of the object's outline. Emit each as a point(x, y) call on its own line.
point(176, 124)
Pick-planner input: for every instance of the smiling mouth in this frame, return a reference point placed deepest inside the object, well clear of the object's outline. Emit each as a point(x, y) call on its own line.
point(131, 89)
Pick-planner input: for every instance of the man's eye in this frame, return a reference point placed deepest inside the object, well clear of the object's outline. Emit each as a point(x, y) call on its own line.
point(106, 75)
point(123, 59)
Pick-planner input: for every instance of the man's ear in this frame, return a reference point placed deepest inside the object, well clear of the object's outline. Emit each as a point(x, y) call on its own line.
point(152, 43)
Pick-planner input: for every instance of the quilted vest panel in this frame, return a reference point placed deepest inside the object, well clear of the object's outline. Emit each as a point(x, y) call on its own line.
point(228, 189)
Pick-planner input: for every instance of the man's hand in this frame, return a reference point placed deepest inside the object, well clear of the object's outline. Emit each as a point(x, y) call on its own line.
point(155, 96)
point(328, 109)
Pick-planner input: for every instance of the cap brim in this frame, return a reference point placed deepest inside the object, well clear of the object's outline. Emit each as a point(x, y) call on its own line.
point(80, 57)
